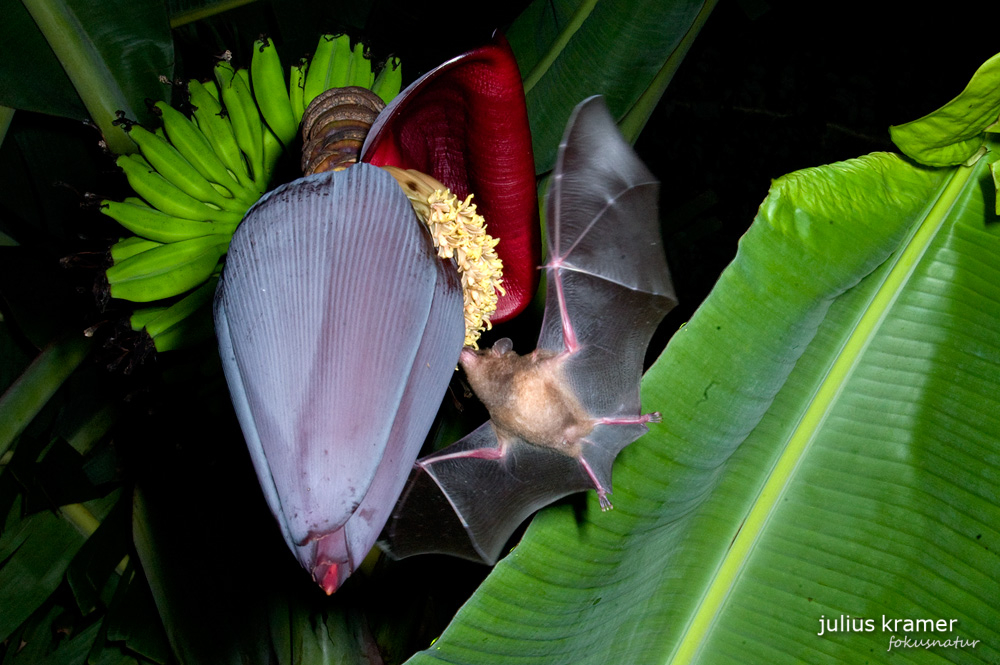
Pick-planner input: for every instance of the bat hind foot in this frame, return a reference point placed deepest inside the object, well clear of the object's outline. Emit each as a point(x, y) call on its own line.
point(653, 417)
point(602, 494)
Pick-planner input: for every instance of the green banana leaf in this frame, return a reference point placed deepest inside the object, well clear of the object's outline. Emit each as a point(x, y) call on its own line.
point(830, 447)
point(625, 50)
point(32, 78)
point(956, 132)
point(111, 53)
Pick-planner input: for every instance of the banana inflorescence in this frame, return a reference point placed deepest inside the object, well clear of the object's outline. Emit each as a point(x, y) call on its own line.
point(197, 176)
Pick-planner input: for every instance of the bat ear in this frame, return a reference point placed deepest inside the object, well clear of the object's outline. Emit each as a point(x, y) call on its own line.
point(503, 346)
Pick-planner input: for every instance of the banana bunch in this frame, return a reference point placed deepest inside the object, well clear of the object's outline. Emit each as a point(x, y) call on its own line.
point(196, 177)
point(187, 321)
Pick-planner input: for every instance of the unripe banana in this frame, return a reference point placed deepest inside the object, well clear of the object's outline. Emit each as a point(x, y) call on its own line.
point(170, 164)
point(150, 223)
point(245, 119)
point(219, 132)
point(186, 321)
point(389, 80)
point(195, 147)
point(167, 270)
point(200, 175)
point(144, 315)
point(319, 68)
point(361, 68)
point(163, 195)
point(269, 90)
point(129, 247)
point(273, 149)
point(257, 118)
point(297, 89)
point(213, 90)
point(340, 65)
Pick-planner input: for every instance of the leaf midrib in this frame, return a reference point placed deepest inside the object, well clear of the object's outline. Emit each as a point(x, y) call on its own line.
point(819, 406)
point(579, 16)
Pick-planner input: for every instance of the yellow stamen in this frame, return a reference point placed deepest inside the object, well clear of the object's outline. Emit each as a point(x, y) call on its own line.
point(459, 233)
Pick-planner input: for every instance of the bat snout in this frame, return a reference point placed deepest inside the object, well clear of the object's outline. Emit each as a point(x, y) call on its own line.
point(468, 357)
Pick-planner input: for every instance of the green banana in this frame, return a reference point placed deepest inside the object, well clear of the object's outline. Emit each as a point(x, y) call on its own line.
point(144, 315)
point(150, 223)
point(389, 80)
point(199, 175)
point(212, 89)
point(169, 162)
point(257, 118)
point(340, 65)
point(167, 270)
point(319, 69)
point(268, 78)
point(195, 147)
point(129, 247)
point(273, 150)
point(245, 119)
point(219, 131)
point(162, 194)
point(361, 68)
point(187, 320)
point(297, 89)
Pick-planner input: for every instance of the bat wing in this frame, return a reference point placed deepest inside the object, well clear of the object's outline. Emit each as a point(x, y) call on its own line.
point(608, 282)
point(608, 289)
point(468, 506)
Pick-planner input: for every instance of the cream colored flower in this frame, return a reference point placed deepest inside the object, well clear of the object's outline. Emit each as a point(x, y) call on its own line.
point(459, 233)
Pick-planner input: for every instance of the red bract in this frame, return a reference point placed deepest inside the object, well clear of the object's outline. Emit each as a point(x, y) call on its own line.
point(466, 124)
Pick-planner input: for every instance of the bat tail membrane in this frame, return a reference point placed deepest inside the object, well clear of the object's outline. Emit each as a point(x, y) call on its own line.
point(602, 446)
point(339, 330)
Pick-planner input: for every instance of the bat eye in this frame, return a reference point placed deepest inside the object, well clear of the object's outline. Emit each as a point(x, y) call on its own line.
point(503, 346)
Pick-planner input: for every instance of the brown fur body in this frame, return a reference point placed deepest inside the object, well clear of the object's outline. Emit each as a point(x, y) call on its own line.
point(527, 397)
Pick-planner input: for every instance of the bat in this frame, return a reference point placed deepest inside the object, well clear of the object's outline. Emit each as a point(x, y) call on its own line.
point(561, 414)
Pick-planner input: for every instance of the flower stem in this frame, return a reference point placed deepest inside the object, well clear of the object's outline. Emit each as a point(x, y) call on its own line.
point(85, 67)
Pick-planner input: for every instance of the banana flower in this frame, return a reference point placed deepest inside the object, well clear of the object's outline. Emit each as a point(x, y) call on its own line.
point(339, 324)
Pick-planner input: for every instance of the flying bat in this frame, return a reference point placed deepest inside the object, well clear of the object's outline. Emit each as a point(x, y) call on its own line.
point(561, 414)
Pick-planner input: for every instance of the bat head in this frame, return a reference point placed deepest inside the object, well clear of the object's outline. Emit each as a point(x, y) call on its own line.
point(491, 371)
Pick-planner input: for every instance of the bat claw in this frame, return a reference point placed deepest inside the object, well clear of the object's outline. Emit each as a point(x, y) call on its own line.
point(602, 497)
point(654, 417)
